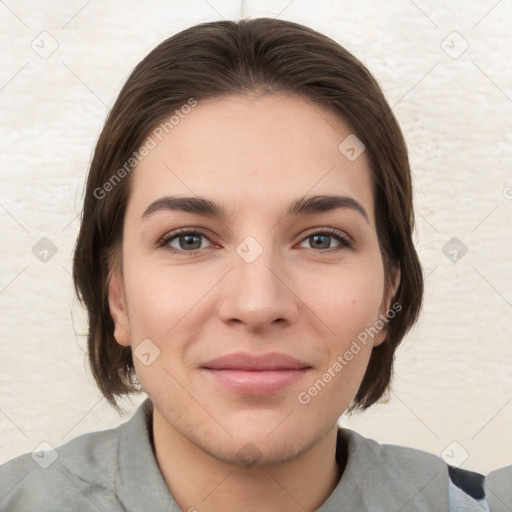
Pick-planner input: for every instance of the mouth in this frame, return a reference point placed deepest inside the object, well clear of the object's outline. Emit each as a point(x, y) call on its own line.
point(247, 374)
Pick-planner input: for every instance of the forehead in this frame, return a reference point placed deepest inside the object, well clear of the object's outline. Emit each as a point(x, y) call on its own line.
point(252, 150)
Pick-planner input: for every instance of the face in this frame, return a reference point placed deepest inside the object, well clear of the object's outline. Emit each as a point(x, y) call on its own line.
point(234, 318)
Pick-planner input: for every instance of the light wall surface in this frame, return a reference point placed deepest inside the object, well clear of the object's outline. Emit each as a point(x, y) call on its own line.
point(446, 70)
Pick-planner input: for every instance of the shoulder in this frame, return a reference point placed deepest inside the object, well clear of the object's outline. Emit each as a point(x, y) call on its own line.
point(394, 461)
point(498, 487)
point(391, 477)
point(78, 473)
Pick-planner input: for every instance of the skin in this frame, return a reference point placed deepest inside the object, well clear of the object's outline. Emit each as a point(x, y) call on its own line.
point(255, 154)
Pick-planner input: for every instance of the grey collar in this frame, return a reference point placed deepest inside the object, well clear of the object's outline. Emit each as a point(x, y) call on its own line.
point(376, 477)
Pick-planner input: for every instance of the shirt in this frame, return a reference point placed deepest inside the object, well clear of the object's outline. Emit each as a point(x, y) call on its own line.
point(116, 470)
point(498, 488)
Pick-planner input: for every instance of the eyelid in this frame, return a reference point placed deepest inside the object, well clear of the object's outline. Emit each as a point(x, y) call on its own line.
point(182, 232)
point(346, 242)
point(329, 231)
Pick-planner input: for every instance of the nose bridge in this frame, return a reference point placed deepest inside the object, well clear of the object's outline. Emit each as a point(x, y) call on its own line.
point(256, 293)
point(254, 264)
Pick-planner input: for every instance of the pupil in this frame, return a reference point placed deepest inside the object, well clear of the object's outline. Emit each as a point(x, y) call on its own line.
point(316, 237)
point(317, 240)
point(190, 240)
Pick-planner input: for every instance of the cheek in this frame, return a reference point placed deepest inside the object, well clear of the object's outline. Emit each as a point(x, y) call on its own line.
point(350, 310)
point(348, 299)
point(160, 298)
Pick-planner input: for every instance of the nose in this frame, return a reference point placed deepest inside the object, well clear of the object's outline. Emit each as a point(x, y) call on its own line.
point(258, 292)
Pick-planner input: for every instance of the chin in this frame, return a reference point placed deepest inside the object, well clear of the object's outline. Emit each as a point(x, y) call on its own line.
point(253, 452)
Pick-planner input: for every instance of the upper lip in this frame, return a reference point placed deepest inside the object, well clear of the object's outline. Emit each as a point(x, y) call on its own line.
point(249, 362)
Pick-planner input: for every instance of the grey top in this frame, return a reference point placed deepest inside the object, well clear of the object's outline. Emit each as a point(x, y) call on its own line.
point(115, 470)
point(498, 488)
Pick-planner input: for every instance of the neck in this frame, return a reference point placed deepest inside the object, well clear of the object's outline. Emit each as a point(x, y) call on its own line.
point(202, 483)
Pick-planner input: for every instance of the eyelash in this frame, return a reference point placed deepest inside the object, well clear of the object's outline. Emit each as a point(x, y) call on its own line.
point(343, 239)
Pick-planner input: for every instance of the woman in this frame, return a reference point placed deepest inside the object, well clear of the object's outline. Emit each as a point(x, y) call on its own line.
point(245, 258)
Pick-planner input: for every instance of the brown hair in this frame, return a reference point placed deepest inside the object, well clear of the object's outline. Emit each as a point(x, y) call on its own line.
point(241, 57)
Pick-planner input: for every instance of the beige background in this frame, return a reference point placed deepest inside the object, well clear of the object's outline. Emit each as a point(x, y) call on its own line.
point(452, 391)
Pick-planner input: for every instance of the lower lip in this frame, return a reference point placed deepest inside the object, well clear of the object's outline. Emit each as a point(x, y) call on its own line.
point(256, 382)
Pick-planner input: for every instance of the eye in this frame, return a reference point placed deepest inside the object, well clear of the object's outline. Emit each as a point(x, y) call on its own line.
point(188, 242)
point(321, 239)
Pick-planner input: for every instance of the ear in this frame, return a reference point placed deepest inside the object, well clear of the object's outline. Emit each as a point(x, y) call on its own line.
point(386, 306)
point(118, 307)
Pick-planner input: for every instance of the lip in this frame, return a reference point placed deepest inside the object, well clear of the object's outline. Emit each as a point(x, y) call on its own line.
point(249, 362)
point(249, 374)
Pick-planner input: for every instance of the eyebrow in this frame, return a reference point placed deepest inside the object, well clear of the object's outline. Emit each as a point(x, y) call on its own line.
point(299, 206)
